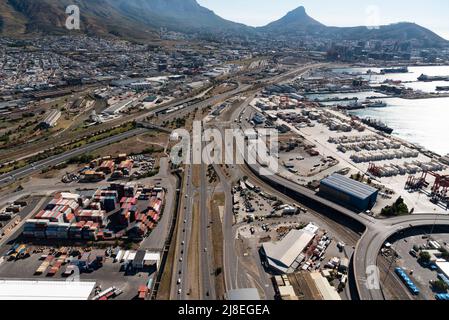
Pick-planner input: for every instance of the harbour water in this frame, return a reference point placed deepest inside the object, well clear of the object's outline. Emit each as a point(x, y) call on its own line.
point(410, 79)
point(421, 121)
point(424, 121)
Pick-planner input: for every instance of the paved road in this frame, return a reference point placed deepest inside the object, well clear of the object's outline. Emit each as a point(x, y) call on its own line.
point(372, 241)
point(55, 160)
point(207, 265)
point(206, 103)
point(158, 237)
point(376, 231)
point(236, 276)
point(28, 212)
point(180, 278)
point(375, 235)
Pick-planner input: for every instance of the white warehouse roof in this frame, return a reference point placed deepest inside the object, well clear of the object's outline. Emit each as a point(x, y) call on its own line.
point(45, 290)
point(443, 266)
point(327, 291)
point(282, 254)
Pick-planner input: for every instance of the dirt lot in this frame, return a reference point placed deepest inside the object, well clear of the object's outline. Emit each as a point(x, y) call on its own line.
point(136, 144)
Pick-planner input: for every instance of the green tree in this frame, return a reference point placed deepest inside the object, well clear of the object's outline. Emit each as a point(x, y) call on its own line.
point(424, 256)
point(444, 254)
point(397, 209)
point(440, 286)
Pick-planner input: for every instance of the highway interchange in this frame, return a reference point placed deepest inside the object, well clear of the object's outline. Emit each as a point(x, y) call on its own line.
point(375, 233)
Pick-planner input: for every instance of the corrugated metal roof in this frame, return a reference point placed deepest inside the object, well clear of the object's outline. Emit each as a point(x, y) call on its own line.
point(289, 248)
point(326, 290)
point(349, 186)
point(45, 290)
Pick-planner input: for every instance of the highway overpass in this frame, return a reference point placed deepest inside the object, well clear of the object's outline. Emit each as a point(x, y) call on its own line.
point(375, 231)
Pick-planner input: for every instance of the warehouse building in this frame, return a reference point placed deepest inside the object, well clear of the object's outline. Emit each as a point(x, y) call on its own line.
point(45, 290)
point(51, 120)
point(348, 192)
point(304, 286)
point(118, 107)
point(285, 256)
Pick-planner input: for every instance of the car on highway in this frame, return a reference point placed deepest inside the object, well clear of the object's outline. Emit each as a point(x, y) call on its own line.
point(179, 291)
point(180, 259)
point(179, 281)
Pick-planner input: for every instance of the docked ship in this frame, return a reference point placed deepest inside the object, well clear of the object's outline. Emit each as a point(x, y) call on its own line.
point(394, 70)
point(376, 124)
point(354, 105)
point(375, 104)
point(442, 88)
point(427, 78)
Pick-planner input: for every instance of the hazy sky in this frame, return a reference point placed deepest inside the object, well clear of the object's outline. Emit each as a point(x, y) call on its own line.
point(432, 14)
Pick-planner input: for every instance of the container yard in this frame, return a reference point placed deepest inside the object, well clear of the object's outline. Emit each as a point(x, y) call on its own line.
point(86, 264)
point(347, 145)
point(120, 210)
point(122, 167)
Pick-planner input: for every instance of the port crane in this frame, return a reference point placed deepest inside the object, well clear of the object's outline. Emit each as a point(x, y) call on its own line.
point(439, 189)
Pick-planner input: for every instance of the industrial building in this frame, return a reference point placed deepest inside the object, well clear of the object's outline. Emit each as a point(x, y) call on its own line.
point(45, 290)
point(118, 107)
point(141, 86)
point(348, 192)
point(443, 267)
point(304, 286)
point(51, 120)
point(141, 259)
point(285, 256)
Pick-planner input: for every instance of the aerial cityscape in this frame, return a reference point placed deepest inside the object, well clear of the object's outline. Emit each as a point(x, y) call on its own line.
point(154, 150)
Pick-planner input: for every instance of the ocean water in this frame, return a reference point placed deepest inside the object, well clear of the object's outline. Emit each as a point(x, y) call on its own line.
point(421, 121)
point(361, 96)
point(410, 79)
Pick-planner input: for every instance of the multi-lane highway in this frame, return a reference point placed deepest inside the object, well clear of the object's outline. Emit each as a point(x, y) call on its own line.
point(236, 276)
point(180, 272)
point(206, 266)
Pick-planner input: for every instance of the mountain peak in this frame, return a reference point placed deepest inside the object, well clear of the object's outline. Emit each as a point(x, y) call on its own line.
point(296, 19)
point(299, 11)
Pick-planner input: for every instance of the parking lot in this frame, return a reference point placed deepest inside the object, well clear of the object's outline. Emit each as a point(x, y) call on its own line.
point(110, 274)
point(417, 272)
